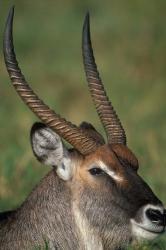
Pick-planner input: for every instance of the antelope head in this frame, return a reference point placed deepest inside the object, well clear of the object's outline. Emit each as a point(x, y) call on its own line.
point(109, 197)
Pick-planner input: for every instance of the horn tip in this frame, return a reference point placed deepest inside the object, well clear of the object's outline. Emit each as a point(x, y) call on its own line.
point(86, 20)
point(10, 19)
point(87, 16)
point(86, 29)
point(8, 37)
point(11, 12)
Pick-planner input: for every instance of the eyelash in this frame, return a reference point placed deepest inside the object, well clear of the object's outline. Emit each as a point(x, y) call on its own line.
point(96, 171)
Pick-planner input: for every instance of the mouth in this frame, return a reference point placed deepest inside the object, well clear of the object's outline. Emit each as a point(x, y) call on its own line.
point(146, 232)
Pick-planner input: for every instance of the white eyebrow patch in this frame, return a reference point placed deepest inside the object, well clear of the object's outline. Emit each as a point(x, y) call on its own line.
point(111, 173)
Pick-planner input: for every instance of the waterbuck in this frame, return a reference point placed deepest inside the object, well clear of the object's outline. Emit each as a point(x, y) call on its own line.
point(93, 198)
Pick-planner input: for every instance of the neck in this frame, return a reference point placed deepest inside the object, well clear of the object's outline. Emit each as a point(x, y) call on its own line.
point(46, 215)
point(50, 215)
point(92, 239)
point(89, 237)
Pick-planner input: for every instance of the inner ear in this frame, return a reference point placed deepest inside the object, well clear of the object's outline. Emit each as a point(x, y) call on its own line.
point(46, 145)
point(49, 149)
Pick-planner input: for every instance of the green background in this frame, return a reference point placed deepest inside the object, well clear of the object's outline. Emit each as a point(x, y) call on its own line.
point(129, 40)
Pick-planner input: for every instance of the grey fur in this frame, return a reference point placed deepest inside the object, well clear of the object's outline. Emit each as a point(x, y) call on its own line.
point(72, 214)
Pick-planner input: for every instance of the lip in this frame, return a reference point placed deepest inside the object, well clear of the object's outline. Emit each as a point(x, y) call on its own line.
point(142, 231)
point(149, 230)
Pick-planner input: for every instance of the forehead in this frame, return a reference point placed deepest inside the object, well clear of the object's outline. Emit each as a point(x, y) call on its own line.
point(113, 156)
point(105, 155)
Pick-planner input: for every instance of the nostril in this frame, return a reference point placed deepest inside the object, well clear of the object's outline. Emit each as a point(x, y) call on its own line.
point(156, 216)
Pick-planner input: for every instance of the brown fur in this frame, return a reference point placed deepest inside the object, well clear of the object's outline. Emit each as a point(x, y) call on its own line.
point(85, 212)
point(93, 199)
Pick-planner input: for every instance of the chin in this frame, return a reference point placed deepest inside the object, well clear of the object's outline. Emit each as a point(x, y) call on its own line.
point(143, 232)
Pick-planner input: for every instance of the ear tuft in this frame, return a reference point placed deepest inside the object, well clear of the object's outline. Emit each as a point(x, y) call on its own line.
point(64, 170)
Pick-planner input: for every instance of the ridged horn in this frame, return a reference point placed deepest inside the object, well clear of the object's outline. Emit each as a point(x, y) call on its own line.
point(109, 118)
point(71, 133)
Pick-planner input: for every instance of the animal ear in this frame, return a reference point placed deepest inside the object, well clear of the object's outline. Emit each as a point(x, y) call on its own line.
point(92, 132)
point(48, 148)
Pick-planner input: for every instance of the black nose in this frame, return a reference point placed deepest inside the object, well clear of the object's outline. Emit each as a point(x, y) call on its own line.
point(156, 216)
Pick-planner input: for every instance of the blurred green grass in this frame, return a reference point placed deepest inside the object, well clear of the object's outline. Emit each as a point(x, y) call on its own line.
point(129, 40)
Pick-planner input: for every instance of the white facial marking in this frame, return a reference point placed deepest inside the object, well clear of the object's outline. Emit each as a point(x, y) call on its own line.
point(146, 230)
point(64, 169)
point(111, 173)
point(149, 206)
point(141, 233)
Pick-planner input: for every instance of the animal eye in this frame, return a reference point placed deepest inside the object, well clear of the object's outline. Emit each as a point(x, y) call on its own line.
point(96, 171)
